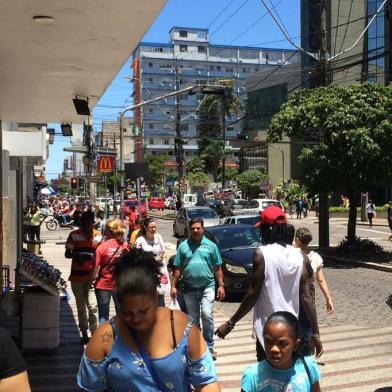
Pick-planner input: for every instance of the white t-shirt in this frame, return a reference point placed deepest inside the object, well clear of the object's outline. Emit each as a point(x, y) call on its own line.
point(370, 208)
point(155, 246)
point(316, 262)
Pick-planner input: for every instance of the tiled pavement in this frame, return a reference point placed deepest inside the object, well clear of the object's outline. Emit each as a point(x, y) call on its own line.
point(357, 340)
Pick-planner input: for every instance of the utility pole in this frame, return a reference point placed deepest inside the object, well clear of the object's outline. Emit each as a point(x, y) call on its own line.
point(178, 144)
point(323, 79)
point(223, 114)
point(90, 155)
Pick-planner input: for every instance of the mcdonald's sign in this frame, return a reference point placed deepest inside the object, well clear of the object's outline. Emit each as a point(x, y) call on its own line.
point(106, 164)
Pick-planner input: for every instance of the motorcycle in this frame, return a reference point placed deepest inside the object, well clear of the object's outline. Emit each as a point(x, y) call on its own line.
point(54, 221)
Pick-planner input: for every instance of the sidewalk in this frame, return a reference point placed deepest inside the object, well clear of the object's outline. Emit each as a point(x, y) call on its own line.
point(54, 369)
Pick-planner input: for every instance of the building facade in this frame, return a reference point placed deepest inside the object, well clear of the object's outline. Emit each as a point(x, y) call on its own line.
point(368, 59)
point(189, 59)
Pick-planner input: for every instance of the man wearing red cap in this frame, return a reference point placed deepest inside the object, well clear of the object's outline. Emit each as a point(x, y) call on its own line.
point(280, 280)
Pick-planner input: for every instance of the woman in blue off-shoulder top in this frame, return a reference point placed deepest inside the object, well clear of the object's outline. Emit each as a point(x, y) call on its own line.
point(172, 346)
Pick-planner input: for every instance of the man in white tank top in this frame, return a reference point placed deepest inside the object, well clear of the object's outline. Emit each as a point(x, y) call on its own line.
point(280, 280)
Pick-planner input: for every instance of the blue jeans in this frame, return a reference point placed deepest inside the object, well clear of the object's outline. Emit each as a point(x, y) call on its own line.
point(103, 299)
point(203, 298)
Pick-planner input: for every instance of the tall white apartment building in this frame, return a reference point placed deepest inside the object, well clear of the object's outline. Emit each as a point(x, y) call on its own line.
point(199, 62)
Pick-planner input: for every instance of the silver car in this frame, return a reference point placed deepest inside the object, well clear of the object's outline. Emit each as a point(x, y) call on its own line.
point(245, 219)
point(184, 215)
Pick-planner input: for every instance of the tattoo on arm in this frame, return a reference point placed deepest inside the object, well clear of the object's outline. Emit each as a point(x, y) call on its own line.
point(106, 337)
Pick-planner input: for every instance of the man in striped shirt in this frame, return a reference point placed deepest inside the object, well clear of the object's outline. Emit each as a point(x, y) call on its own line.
point(80, 247)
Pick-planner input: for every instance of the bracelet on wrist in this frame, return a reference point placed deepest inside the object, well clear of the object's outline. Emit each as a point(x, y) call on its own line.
point(230, 324)
point(315, 335)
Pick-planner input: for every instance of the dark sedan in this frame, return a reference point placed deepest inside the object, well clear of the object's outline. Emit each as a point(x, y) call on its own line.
point(236, 244)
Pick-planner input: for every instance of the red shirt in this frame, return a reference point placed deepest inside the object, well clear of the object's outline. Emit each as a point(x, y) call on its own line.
point(105, 257)
point(132, 219)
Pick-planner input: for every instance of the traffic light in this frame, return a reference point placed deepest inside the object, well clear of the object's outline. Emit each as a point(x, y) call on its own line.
point(74, 183)
point(242, 136)
point(81, 182)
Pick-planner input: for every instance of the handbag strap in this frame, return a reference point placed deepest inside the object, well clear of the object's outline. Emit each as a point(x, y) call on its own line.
point(147, 360)
point(307, 370)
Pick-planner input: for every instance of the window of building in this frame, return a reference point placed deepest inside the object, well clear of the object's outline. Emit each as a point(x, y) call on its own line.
point(150, 79)
point(267, 56)
point(184, 127)
point(201, 49)
point(212, 68)
point(183, 48)
point(168, 113)
point(150, 126)
point(150, 141)
point(218, 68)
point(184, 97)
point(166, 141)
point(170, 152)
point(183, 33)
point(183, 81)
point(229, 69)
point(150, 65)
point(244, 70)
point(257, 69)
point(153, 152)
point(150, 111)
point(160, 50)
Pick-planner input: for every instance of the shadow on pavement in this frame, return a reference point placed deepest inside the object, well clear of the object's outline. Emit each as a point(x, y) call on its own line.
point(53, 369)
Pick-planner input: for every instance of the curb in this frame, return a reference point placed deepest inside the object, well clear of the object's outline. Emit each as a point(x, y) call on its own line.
point(362, 264)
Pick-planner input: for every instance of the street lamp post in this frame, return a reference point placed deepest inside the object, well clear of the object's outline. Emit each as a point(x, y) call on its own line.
point(122, 113)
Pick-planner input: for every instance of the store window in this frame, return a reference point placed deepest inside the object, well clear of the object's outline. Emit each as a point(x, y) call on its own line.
point(183, 48)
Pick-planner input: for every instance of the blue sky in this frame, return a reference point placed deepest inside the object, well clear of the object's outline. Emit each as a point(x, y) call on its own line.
point(230, 22)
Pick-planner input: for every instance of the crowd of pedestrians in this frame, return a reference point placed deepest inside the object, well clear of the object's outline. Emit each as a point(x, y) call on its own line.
point(148, 346)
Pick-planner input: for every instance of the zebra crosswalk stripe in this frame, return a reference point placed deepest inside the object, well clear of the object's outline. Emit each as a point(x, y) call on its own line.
point(356, 359)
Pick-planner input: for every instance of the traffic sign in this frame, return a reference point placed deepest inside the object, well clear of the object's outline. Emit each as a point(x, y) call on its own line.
point(106, 164)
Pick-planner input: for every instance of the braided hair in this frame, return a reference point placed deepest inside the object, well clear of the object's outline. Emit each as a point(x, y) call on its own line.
point(136, 272)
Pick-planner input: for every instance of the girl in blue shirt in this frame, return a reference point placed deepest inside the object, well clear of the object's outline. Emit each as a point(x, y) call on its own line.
point(284, 370)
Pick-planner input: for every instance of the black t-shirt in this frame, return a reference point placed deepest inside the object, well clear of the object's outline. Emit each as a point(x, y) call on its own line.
point(11, 361)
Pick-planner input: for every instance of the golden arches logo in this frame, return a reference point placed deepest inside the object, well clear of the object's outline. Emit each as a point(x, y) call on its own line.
point(106, 164)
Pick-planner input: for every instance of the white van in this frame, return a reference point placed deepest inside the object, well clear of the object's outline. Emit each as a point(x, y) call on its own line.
point(189, 200)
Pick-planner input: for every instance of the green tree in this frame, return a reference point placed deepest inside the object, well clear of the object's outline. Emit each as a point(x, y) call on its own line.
point(157, 169)
point(212, 155)
point(210, 125)
point(198, 179)
point(230, 174)
point(350, 134)
point(195, 165)
point(251, 179)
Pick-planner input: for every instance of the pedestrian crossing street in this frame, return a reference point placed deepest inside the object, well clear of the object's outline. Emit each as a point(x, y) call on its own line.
point(355, 359)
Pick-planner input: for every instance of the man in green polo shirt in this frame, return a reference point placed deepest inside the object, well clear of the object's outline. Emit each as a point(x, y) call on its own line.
point(198, 263)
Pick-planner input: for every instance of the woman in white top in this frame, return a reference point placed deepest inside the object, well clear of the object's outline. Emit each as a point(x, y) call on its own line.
point(302, 239)
point(371, 212)
point(150, 241)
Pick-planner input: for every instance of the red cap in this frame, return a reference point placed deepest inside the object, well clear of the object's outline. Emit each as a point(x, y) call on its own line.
point(271, 215)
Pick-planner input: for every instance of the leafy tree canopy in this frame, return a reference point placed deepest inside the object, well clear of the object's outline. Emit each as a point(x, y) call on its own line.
point(251, 178)
point(195, 165)
point(156, 168)
point(198, 179)
point(350, 135)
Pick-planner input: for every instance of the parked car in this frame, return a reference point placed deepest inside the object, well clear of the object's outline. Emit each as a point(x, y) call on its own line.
point(216, 205)
point(184, 215)
point(100, 202)
point(189, 200)
point(140, 207)
point(236, 244)
point(233, 204)
point(156, 203)
point(246, 219)
point(255, 206)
